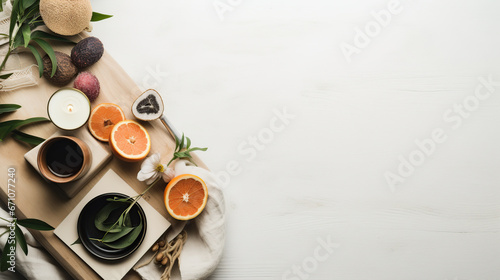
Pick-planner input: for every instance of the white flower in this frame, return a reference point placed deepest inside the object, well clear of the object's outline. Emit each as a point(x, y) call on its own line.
point(152, 168)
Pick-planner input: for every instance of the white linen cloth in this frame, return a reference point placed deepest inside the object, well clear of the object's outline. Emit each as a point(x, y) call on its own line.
point(198, 259)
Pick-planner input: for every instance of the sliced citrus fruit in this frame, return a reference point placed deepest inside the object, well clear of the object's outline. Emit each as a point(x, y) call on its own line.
point(129, 141)
point(103, 118)
point(185, 196)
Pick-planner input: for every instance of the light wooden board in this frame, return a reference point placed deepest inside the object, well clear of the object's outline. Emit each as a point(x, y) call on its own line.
point(37, 199)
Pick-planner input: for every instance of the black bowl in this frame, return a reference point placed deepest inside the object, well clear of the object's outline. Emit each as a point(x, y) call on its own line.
point(87, 229)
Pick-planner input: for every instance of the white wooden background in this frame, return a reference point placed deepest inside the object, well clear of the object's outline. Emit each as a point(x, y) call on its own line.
point(319, 177)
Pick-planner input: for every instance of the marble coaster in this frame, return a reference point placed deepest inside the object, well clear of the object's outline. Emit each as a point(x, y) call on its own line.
point(100, 156)
point(115, 270)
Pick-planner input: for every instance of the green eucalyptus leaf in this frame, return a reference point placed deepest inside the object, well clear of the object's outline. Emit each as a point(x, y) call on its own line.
point(103, 215)
point(98, 16)
point(182, 155)
point(4, 261)
point(197, 149)
point(121, 220)
point(36, 24)
point(50, 52)
point(6, 108)
point(118, 199)
point(14, 15)
point(5, 76)
point(27, 3)
point(188, 142)
point(30, 14)
point(39, 34)
point(127, 240)
point(181, 143)
point(8, 126)
point(35, 224)
point(18, 40)
point(21, 240)
point(128, 221)
point(38, 58)
point(26, 34)
point(111, 237)
point(110, 228)
point(27, 138)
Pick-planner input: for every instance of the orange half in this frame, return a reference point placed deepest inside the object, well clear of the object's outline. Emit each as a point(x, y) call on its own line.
point(185, 196)
point(103, 118)
point(130, 141)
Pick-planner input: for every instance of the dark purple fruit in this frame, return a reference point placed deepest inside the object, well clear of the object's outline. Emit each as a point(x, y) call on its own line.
point(87, 52)
point(65, 72)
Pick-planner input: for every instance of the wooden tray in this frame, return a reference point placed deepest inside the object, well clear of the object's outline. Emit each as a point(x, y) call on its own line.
point(37, 199)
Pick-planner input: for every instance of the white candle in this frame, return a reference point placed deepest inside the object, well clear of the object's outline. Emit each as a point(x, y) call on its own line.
point(68, 109)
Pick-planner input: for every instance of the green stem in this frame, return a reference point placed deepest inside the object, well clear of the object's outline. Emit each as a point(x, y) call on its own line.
point(11, 43)
point(112, 227)
point(5, 59)
point(139, 196)
point(5, 220)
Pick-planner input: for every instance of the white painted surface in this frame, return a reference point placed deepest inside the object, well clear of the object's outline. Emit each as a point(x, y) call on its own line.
point(323, 175)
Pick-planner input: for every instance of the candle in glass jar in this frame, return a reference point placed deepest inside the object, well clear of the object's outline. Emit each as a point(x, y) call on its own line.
point(68, 109)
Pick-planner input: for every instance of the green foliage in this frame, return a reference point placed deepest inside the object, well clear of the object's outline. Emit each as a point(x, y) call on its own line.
point(183, 150)
point(118, 233)
point(21, 240)
point(18, 238)
point(5, 76)
point(7, 127)
point(25, 18)
point(35, 224)
point(7, 108)
point(27, 138)
point(98, 16)
point(127, 240)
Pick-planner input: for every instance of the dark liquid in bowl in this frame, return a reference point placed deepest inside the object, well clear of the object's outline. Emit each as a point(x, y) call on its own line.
point(64, 158)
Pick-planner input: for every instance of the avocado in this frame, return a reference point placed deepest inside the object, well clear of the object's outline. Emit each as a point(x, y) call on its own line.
point(65, 72)
point(87, 52)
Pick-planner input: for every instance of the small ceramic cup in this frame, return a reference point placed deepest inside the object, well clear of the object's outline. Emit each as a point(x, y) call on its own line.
point(64, 159)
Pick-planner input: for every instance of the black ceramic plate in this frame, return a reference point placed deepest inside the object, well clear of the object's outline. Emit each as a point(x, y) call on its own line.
point(87, 229)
